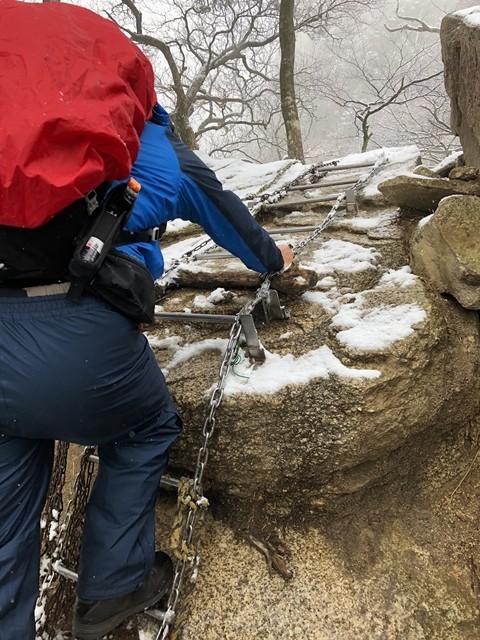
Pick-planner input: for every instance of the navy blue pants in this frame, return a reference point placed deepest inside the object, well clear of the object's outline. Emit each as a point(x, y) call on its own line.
point(79, 373)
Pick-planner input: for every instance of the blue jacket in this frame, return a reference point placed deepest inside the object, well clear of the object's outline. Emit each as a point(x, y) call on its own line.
point(177, 184)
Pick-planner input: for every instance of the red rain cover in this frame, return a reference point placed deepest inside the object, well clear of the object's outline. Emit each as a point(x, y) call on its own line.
point(74, 96)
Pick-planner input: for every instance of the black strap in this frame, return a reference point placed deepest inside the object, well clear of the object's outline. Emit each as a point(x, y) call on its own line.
point(13, 293)
point(146, 235)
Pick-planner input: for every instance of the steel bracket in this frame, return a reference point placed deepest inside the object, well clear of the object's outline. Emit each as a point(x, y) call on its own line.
point(350, 201)
point(254, 348)
point(272, 308)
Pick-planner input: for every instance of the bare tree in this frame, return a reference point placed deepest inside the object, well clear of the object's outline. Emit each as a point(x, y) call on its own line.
point(200, 42)
point(217, 60)
point(428, 124)
point(397, 73)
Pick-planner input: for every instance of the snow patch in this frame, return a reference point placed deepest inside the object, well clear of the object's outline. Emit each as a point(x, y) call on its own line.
point(279, 371)
point(346, 257)
point(471, 15)
point(375, 329)
point(402, 277)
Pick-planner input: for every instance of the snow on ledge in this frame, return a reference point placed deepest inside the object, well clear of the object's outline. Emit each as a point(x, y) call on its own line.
point(471, 15)
point(279, 371)
point(276, 372)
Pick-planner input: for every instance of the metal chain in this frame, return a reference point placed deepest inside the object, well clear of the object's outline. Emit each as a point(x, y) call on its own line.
point(188, 255)
point(215, 400)
point(333, 211)
point(59, 600)
point(185, 257)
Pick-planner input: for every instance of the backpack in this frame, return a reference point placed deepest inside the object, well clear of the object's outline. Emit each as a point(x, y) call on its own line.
point(75, 95)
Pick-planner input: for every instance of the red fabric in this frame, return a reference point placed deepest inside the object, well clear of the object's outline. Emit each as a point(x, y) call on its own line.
point(74, 96)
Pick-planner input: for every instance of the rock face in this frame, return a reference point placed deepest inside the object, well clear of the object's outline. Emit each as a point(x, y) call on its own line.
point(331, 436)
point(460, 39)
point(444, 249)
point(350, 453)
point(359, 369)
point(424, 193)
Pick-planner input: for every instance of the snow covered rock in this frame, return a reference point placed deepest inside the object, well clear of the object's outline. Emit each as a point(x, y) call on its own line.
point(460, 39)
point(444, 249)
point(371, 359)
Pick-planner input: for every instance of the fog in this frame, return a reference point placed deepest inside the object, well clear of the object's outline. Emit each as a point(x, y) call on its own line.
point(347, 77)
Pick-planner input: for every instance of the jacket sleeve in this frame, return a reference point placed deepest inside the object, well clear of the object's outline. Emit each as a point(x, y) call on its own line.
point(221, 213)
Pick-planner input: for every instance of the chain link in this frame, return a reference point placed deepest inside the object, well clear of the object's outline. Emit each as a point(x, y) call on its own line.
point(215, 400)
point(333, 211)
point(184, 259)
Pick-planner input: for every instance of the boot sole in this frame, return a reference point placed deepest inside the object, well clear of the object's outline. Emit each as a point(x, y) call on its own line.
point(97, 631)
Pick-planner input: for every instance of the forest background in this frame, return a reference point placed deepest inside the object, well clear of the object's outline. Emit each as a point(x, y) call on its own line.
point(307, 79)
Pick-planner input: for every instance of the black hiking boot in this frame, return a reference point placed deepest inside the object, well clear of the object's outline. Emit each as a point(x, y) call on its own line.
point(94, 618)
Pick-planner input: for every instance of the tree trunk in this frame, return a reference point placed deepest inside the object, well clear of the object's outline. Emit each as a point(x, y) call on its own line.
point(183, 129)
point(366, 135)
point(287, 81)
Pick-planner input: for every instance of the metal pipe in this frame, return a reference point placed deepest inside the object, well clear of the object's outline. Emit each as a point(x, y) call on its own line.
point(300, 203)
point(62, 570)
point(196, 317)
point(273, 232)
point(321, 185)
point(344, 167)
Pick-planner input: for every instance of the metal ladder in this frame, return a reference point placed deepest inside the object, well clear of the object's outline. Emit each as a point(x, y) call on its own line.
point(273, 310)
point(167, 483)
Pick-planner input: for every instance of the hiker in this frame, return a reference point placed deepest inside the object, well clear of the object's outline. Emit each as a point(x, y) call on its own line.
point(80, 370)
point(175, 184)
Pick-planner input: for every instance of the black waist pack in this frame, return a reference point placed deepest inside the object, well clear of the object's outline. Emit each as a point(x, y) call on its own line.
point(127, 285)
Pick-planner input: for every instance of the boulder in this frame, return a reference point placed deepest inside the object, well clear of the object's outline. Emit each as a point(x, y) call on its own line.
point(464, 173)
point(444, 249)
point(422, 170)
point(368, 360)
point(424, 193)
point(460, 41)
point(455, 159)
